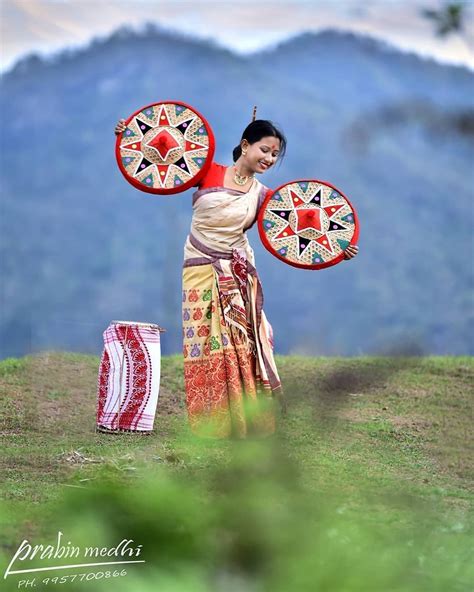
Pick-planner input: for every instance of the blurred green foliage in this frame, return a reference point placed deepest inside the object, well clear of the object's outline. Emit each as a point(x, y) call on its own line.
point(248, 523)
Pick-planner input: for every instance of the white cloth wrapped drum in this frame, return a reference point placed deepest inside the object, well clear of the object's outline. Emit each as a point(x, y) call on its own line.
point(129, 377)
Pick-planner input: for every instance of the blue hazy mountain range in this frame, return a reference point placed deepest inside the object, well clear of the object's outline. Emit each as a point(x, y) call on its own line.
point(80, 246)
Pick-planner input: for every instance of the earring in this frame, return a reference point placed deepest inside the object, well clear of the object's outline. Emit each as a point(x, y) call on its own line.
point(244, 153)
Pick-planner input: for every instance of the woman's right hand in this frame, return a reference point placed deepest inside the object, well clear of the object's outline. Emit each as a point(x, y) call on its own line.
point(120, 127)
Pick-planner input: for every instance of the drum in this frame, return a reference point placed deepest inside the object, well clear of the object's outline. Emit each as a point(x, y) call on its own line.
point(129, 377)
point(167, 147)
point(308, 224)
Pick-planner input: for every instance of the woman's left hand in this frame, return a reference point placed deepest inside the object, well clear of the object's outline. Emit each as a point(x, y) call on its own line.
point(351, 251)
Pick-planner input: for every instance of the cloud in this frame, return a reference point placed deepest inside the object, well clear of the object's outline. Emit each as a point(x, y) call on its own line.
point(48, 25)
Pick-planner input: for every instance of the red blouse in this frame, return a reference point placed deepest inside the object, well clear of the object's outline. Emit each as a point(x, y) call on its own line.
point(215, 178)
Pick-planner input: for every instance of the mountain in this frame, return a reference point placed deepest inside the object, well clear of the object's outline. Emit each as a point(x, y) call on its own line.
point(80, 246)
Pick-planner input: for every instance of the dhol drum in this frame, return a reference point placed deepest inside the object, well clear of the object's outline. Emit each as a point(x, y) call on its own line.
point(129, 377)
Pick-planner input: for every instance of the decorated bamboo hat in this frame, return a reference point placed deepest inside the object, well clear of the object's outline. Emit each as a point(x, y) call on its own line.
point(167, 147)
point(308, 224)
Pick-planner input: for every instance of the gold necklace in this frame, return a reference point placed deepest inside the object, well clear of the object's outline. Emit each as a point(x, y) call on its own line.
point(240, 179)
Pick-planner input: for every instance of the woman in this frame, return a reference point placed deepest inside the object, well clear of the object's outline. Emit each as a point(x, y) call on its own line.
point(230, 373)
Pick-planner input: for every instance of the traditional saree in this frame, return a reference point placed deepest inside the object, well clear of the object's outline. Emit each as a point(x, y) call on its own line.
point(229, 370)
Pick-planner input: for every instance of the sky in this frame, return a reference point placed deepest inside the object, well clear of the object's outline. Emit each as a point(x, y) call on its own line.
point(46, 26)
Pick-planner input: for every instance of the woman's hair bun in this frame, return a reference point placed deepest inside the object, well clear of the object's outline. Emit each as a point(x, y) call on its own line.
point(236, 153)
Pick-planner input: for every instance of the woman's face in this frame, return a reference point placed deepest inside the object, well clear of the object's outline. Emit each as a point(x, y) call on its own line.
point(261, 155)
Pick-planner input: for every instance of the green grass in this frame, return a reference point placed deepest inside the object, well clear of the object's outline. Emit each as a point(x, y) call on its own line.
point(371, 465)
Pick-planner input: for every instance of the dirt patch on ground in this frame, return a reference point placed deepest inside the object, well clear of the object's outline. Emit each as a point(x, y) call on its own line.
point(415, 423)
point(169, 403)
point(63, 390)
point(445, 439)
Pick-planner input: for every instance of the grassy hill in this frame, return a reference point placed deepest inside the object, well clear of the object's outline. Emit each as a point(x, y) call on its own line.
point(366, 486)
